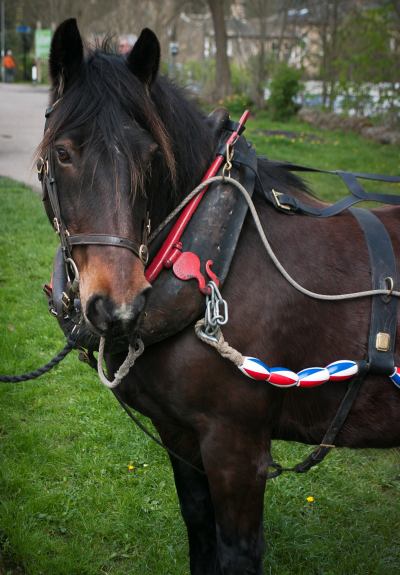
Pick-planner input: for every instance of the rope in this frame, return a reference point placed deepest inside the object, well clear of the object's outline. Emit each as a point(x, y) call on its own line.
point(268, 248)
point(69, 346)
point(219, 343)
point(180, 206)
point(145, 430)
point(133, 354)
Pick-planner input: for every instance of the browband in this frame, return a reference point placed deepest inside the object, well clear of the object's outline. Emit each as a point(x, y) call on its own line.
point(106, 240)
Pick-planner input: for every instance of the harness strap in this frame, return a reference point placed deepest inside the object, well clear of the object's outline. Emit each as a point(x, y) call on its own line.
point(382, 332)
point(336, 424)
point(289, 204)
point(383, 323)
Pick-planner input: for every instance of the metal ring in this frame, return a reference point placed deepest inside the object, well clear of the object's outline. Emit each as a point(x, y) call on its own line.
point(75, 281)
point(390, 285)
point(144, 253)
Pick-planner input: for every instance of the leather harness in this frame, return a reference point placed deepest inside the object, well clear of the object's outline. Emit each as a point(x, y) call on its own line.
point(382, 333)
point(382, 330)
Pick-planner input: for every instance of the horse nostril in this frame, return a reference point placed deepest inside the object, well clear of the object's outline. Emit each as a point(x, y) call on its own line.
point(100, 311)
point(141, 300)
point(129, 313)
point(105, 316)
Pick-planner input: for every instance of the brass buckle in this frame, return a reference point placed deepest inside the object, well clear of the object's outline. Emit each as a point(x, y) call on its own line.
point(66, 301)
point(382, 341)
point(277, 201)
point(226, 170)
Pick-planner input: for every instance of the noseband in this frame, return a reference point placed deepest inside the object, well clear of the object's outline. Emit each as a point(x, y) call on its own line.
point(46, 176)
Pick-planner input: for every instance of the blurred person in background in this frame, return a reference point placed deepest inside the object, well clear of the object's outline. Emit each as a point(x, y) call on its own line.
point(9, 67)
point(126, 43)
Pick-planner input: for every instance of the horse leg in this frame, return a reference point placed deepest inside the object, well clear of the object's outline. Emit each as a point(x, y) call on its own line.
point(236, 464)
point(195, 504)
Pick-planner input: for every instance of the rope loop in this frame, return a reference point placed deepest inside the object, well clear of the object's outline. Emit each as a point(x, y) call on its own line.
point(133, 353)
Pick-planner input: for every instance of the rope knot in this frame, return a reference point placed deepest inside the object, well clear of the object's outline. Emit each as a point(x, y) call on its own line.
point(218, 342)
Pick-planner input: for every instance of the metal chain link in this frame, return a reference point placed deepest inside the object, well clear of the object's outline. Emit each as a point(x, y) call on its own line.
point(216, 313)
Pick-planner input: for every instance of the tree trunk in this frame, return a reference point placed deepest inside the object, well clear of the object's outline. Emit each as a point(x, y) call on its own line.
point(223, 86)
point(261, 9)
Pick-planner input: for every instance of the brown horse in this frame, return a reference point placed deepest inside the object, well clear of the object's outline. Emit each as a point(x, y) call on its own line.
point(123, 141)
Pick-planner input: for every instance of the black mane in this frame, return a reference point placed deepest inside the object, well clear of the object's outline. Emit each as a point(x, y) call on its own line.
point(109, 97)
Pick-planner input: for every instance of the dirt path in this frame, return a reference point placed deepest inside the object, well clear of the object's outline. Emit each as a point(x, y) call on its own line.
point(22, 108)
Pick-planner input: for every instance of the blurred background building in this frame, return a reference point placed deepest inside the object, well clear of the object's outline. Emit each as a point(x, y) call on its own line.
point(345, 51)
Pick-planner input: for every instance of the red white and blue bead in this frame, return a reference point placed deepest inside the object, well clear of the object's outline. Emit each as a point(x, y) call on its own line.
point(342, 369)
point(282, 377)
point(313, 376)
point(395, 377)
point(310, 377)
point(254, 368)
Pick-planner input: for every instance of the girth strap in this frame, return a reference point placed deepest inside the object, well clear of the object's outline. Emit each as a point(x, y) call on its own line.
point(336, 424)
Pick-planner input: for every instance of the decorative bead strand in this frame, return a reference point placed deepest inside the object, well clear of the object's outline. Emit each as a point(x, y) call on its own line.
point(395, 377)
point(282, 377)
point(310, 377)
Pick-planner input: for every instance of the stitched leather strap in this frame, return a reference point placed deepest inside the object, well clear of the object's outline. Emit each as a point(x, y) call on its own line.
point(336, 424)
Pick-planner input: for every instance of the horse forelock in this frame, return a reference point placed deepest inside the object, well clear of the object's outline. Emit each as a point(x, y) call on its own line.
point(108, 101)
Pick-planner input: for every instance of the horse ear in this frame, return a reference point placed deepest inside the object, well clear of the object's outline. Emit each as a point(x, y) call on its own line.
point(144, 58)
point(66, 55)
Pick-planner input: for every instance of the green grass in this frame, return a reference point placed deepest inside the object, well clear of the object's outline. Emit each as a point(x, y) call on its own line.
point(328, 150)
point(70, 506)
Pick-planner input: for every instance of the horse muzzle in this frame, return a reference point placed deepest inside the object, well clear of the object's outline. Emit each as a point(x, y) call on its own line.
point(98, 316)
point(108, 319)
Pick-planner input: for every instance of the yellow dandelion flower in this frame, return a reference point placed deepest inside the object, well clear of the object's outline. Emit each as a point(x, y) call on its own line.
point(131, 467)
point(310, 499)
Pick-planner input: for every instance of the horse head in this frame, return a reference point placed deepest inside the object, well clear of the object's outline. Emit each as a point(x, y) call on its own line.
point(108, 152)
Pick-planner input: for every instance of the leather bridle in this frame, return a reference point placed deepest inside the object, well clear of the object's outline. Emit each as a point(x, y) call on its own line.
point(46, 175)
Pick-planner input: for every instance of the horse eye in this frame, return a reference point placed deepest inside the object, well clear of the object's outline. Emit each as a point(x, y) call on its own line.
point(63, 155)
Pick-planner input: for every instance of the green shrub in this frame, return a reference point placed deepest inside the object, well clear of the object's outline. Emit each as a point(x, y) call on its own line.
point(236, 104)
point(285, 86)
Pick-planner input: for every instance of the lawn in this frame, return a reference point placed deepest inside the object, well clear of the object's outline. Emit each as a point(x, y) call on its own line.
point(83, 492)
